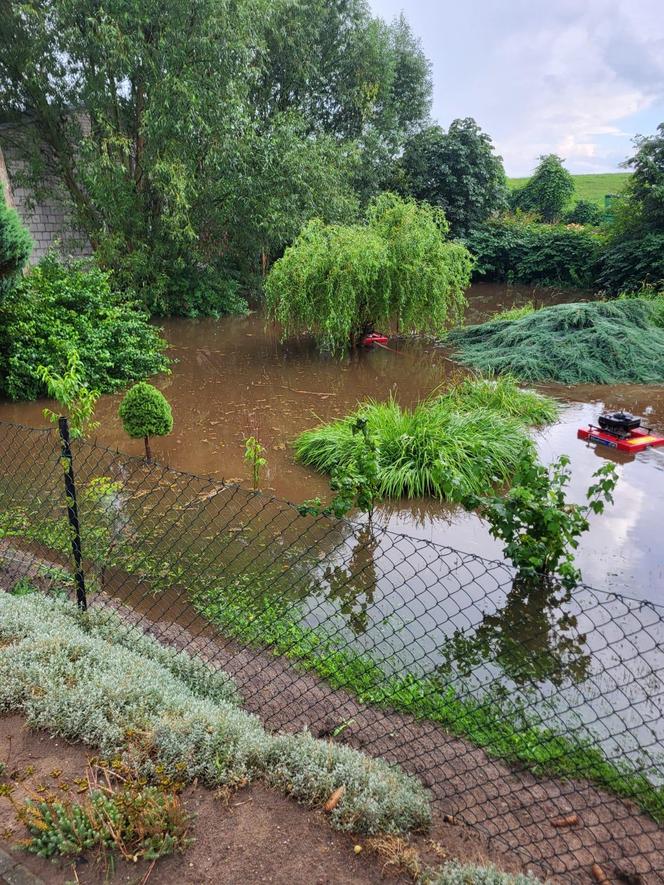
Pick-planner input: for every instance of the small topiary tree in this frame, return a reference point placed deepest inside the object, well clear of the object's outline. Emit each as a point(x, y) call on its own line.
point(145, 412)
point(15, 247)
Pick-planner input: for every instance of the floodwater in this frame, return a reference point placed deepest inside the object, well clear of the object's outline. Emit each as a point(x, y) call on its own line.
point(233, 378)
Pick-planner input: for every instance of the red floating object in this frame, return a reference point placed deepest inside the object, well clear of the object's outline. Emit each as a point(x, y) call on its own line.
point(372, 339)
point(637, 440)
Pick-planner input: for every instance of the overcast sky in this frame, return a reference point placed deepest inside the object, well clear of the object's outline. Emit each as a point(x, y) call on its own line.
point(575, 77)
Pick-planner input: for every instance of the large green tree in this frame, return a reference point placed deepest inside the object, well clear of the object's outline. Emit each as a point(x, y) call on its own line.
point(396, 268)
point(457, 170)
point(548, 191)
point(193, 139)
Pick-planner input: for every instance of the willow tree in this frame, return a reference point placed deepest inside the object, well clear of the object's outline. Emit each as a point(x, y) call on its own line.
point(397, 269)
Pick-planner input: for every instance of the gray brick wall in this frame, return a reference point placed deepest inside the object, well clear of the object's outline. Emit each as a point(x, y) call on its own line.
point(48, 221)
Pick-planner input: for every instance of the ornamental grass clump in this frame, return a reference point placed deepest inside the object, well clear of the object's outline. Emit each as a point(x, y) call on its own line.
point(58, 670)
point(583, 343)
point(450, 446)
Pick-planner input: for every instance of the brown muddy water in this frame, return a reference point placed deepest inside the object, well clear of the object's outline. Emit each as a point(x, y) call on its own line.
point(234, 378)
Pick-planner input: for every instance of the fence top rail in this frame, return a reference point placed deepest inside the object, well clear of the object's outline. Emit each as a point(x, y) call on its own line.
point(442, 550)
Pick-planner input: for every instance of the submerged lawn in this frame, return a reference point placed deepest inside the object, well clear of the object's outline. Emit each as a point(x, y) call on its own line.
point(460, 443)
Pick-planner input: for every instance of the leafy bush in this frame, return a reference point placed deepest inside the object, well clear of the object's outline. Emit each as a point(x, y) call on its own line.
point(145, 412)
point(584, 212)
point(629, 264)
point(582, 343)
point(15, 247)
point(539, 526)
point(519, 251)
point(449, 446)
point(548, 190)
point(79, 685)
point(395, 268)
point(59, 308)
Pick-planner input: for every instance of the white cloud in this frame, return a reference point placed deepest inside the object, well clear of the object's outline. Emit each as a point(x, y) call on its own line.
point(566, 76)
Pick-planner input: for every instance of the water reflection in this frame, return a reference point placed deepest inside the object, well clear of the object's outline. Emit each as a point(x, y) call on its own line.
point(532, 638)
point(353, 587)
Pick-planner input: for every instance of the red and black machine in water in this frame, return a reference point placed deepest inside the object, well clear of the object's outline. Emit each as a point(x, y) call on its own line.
point(621, 431)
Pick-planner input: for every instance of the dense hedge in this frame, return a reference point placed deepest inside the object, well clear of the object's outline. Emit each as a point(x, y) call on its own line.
point(627, 265)
point(58, 308)
point(522, 252)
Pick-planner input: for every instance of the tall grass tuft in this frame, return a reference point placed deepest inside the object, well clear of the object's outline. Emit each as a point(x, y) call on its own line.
point(460, 443)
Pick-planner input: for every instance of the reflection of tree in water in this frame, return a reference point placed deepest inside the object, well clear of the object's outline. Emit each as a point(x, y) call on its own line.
point(353, 586)
point(532, 638)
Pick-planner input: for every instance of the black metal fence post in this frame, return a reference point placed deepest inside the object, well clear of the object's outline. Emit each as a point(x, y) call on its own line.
point(72, 512)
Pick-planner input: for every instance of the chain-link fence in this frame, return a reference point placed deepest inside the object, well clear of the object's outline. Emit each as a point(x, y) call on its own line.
point(533, 714)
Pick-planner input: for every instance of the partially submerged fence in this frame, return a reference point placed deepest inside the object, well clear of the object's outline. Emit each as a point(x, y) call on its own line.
point(534, 715)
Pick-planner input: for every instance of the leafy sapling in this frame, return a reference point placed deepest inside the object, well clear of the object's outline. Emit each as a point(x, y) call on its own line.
point(145, 412)
point(539, 527)
point(254, 456)
point(73, 395)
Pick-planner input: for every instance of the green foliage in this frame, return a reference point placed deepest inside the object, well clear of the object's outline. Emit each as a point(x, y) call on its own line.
point(539, 527)
point(548, 190)
point(520, 251)
point(139, 822)
point(515, 313)
point(254, 456)
point(145, 411)
point(73, 395)
point(209, 140)
point(15, 247)
point(456, 170)
point(655, 298)
point(584, 212)
point(120, 694)
point(581, 343)
point(396, 267)
point(628, 264)
point(592, 186)
point(646, 186)
point(58, 309)
point(454, 873)
point(449, 446)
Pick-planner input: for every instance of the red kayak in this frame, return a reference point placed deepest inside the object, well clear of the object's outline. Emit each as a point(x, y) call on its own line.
point(372, 339)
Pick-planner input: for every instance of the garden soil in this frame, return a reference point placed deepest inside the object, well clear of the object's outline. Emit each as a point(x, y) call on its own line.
point(251, 836)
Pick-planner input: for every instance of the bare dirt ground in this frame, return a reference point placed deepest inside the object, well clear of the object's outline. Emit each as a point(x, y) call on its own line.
point(510, 812)
point(253, 836)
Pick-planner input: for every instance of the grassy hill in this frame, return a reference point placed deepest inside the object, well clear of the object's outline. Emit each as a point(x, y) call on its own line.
point(589, 187)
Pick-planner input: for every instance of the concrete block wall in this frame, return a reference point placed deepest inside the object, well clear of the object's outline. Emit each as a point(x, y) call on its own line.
point(48, 221)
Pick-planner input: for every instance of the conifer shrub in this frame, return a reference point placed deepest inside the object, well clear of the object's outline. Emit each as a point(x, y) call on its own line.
point(582, 343)
point(15, 247)
point(145, 412)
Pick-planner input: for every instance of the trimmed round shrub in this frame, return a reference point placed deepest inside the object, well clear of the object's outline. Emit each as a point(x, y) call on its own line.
point(145, 412)
point(15, 246)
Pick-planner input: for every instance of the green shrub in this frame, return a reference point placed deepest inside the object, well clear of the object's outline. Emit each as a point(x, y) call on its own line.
point(58, 308)
point(629, 264)
point(654, 296)
point(448, 446)
point(396, 268)
point(515, 313)
point(584, 212)
point(581, 343)
point(520, 251)
point(15, 247)
point(80, 686)
point(454, 873)
point(547, 191)
point(145, 412)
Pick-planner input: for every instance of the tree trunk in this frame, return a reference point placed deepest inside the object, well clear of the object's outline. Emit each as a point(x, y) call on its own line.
point(148, 450)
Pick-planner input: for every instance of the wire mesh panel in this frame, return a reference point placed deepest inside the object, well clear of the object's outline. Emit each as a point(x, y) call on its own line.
point(531, 712)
